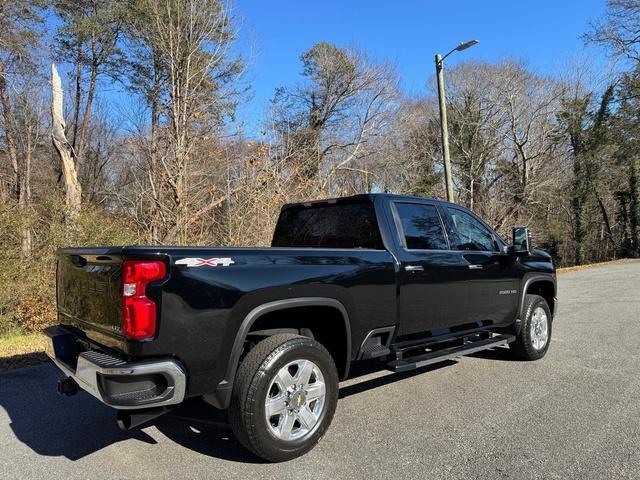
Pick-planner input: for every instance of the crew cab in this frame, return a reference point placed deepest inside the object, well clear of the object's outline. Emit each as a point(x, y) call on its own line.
point(268, 333)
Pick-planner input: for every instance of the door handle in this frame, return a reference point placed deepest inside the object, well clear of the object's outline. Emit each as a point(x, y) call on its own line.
point(414, 268)
point(475, 267)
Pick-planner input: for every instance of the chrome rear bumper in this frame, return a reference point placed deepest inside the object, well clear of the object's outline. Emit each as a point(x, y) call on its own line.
point(115, 382)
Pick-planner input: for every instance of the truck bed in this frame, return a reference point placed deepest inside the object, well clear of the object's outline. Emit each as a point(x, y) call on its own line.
point(200, 308)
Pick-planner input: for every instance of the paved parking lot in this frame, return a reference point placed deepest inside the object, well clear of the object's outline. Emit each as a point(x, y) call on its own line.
point(575, 414)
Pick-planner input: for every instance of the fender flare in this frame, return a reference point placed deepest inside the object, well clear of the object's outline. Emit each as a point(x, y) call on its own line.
point(528, 280)
point(222, 396)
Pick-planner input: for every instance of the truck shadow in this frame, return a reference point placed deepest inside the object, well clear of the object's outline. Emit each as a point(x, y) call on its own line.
point(502, 354)
point(206, 430)
point(363, 369)
point(78, 426)
point(74, 427)
point(52, 425)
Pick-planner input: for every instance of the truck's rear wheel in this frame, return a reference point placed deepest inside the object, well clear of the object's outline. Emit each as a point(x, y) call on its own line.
point(532, 342)
point(284, 397)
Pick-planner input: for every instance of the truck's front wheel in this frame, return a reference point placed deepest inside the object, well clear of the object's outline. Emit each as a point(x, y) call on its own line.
point(532, 342)
point(284, 397)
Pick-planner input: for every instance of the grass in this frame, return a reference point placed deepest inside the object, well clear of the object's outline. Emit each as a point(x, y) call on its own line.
point(19, 349)
point(599, 264)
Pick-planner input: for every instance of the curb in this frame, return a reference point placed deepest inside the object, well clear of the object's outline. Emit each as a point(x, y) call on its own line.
point(621, 261)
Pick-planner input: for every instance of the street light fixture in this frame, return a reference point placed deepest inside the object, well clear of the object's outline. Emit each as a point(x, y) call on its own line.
point(464, 46)
point(443, 115)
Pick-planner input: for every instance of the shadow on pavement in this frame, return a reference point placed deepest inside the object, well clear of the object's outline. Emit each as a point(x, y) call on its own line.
point(78, 426)
point(52, 425)
point(502, 354)
point(22, 360)
point(206, 430)
point(74, 427)
point(366, 368)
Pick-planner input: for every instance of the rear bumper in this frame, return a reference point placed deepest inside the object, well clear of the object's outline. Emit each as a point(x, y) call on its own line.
point(113, 381)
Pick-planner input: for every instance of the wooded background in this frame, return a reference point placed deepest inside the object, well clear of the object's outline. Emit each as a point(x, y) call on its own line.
point(557, 153)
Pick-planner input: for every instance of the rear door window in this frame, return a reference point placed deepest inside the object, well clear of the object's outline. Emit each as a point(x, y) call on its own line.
point(421, 227)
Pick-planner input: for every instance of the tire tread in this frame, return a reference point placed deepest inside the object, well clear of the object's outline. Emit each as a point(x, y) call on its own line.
point(251, 373)
point(522, 346)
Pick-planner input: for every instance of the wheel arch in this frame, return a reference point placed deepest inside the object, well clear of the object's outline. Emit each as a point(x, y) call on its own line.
point(260, 311)
point(543, 285)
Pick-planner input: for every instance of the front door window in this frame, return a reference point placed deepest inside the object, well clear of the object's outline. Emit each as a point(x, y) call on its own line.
point(467, 233)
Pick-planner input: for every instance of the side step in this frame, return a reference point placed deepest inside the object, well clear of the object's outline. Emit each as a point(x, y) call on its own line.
point(437, 356)
point(374, 351)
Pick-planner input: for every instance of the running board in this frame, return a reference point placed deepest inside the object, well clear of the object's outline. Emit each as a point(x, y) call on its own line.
point(437, 356)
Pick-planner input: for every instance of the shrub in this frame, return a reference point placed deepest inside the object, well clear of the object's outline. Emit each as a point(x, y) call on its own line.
point(27, 286)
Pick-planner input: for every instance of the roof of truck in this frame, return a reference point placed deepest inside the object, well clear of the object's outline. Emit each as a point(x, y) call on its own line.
point(365, 196)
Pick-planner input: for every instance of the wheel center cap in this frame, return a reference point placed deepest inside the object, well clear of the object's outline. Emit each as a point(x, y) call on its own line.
point(298, 399)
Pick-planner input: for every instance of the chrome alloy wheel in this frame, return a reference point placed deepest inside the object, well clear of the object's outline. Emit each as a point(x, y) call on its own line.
point(539, 328)
point(295, 400)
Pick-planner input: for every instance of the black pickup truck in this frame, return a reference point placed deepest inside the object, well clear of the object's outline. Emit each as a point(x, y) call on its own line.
point(268, 332)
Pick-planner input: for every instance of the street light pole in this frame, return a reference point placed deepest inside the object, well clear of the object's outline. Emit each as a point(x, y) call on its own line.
point(444, 131)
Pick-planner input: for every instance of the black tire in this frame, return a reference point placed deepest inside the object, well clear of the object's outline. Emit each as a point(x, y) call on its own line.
point(523, 346)
point(250, 390)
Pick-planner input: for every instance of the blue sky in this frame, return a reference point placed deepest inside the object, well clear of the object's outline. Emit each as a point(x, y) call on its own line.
point(272, 35)
point(408, 33)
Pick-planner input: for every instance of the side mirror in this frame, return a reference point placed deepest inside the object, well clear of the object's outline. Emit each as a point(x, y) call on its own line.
point(521, 240)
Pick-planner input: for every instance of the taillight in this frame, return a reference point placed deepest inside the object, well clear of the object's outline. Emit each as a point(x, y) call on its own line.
point(139, 312)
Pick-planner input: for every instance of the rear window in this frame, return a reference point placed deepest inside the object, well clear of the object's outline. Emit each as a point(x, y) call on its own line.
point(341, 225)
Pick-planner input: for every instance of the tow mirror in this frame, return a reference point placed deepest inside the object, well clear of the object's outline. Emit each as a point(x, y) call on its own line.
point(521, 240)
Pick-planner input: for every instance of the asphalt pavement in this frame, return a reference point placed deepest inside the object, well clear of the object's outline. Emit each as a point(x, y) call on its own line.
point(574, 414)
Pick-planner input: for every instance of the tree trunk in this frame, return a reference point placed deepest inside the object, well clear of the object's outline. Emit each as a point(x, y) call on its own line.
point(634, 208)
point(65, 152)
point(10, 135)
point(605, 218)
point(25, 203)
point(78, 100)
point(86, 117)
point(579, 205)
point(156, 217)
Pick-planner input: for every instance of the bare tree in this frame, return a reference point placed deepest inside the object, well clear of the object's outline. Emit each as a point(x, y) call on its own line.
point(503, 138)
point(65, 152)
point(406, 154)
point(477, 139)
point(619, 30)
point(325, 125)
point(88, 38)
point(30, 110)
point(9, 129)
point(192, 92)
point(19, 21)
point(531, 102)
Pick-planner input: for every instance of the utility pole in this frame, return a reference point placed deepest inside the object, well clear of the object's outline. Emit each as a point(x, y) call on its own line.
point(444, 131)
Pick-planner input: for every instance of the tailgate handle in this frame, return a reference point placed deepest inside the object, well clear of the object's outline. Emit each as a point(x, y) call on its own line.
point(77, 260)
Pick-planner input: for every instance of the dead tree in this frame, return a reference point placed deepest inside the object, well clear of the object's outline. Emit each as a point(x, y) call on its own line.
point(73, 189)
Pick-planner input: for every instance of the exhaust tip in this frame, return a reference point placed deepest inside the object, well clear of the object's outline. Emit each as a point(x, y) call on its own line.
point(127, 420)
point(123, 420)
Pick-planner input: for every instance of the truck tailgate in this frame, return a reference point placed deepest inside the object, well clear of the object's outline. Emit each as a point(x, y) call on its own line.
point(88, 289)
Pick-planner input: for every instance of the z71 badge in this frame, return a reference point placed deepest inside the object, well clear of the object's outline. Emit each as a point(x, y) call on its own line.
point(201, 262)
